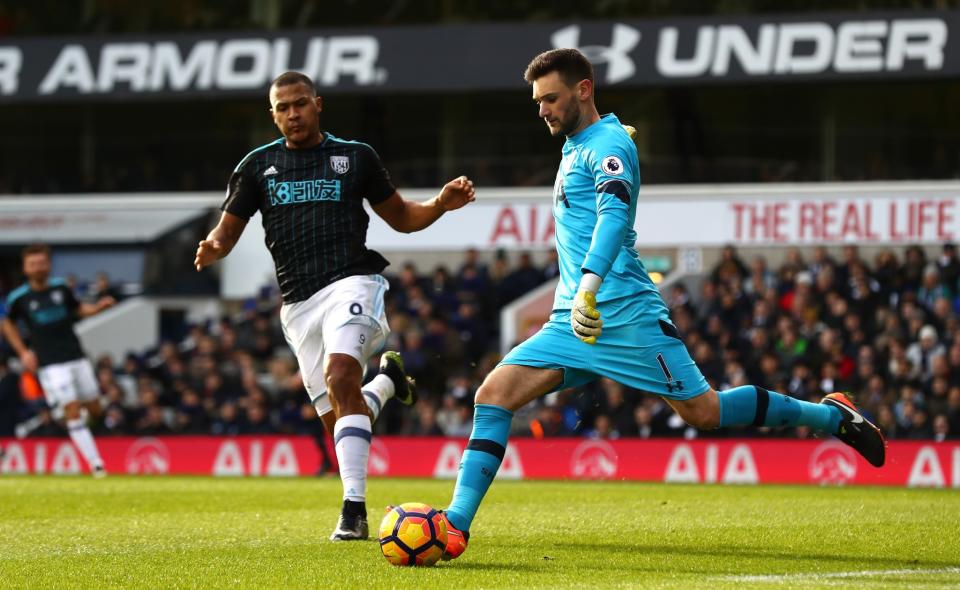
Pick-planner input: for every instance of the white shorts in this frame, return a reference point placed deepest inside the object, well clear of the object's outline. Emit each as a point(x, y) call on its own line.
point(345, 317)
point(68, 382)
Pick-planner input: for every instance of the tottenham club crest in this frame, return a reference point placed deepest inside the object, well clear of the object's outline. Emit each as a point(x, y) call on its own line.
point(612, 165)
point(340, 164)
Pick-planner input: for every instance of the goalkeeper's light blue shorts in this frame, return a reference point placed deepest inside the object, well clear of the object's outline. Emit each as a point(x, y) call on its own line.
point(647, 355)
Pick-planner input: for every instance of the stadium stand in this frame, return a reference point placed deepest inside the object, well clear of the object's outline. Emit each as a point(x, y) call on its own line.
point(885, 330)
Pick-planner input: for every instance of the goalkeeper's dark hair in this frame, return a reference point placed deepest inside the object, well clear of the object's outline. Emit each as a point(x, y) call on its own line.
point(290, 78)
point(572, 66)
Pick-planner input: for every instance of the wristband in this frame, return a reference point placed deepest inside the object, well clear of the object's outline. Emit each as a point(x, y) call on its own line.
point(590, 282)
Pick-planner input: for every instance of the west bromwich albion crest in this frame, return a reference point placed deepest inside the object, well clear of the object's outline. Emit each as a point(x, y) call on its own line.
point(340, 164)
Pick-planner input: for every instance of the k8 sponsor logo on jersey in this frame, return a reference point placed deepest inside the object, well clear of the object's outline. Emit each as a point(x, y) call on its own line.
point(303, 191)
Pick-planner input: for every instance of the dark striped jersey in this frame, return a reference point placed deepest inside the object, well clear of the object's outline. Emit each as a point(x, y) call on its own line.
point(49, 315)
point(311, 201)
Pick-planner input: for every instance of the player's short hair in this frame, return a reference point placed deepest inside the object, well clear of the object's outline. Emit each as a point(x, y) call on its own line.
point(572, 66)
point(290, 78)
point(35, 249)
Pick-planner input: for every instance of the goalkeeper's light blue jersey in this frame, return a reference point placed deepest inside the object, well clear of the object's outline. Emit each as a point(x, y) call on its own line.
point(595, 205)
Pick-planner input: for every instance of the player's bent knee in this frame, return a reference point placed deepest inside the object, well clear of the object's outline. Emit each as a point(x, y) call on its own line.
point(484, 395)
point(342, 376)
point(701, 412)
point(706, 418)
point(491, 395)
point(329, 420)
point(71, 411)
point(703, 421)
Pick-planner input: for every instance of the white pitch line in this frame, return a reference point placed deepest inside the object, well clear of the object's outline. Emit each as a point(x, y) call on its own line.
point(831, 575)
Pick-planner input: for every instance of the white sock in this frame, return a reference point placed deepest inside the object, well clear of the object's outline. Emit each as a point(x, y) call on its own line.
point(80, 435)
point(351, 437)
point(376, 393)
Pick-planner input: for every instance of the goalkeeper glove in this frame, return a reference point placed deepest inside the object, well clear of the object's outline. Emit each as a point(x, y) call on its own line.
point(584, 317)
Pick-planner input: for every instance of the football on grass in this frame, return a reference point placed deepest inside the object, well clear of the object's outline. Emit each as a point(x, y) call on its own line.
point(413, 534)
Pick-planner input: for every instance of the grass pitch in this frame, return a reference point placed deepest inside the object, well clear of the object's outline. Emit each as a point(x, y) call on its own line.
point(183, 532)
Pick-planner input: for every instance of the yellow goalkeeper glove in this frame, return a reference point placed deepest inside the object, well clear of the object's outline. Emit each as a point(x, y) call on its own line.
point(630, 129)
point(584, 317)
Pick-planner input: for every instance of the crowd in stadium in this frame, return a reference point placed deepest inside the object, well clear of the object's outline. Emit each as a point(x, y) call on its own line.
point(885, 330)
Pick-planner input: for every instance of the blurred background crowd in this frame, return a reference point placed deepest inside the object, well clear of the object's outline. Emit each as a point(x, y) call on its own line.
point(885, 330)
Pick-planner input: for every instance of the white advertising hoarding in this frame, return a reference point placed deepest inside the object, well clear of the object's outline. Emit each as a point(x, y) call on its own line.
point(668, 216)
point(676, 216)
point(868, 213)
point(96, 219)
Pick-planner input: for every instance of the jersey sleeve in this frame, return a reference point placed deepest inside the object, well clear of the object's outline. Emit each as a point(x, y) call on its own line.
point(13, 309)
point(377, 184)
point(243, 193)
point(70, 300)
point(611, 167)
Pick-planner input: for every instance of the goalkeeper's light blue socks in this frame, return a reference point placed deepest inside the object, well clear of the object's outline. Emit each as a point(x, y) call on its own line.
point(739, 406)
point(480, 462)
point(751, 405)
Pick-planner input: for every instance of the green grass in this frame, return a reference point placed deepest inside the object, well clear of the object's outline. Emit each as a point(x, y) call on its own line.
point(201, 532)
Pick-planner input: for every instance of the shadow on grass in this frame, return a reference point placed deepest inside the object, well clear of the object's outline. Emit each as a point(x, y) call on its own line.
point(493, 566)
point(732, 554)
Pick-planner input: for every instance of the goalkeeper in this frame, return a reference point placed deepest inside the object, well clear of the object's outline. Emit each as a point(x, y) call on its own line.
point(608, 317)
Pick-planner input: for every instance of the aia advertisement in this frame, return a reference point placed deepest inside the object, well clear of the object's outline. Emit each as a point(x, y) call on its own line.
point(744, 461)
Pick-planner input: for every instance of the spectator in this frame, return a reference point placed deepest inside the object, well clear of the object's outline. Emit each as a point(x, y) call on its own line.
point(643, 423)
point(102, 287)
point(730, 268)
point(228, 421)
point(525, 277)
point(932, 288)
point(258, 420)
point(427, 421)
point(953, 411)
point(821, 260)
point(919, 427)
point(152, 421)
point(889, 334)
point(116, 417)
point(603, 428)
point(887, 274)
point(761, 279)
point(472, 276)
point(9, 399)
point(616, 406)
point(922, 353)
point(443, 290)
point(941, 428)
point(551, 269)
point(191, 415)
point(914, 263)
point(949, 265)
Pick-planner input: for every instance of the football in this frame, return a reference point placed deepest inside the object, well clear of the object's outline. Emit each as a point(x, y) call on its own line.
point(413, 534)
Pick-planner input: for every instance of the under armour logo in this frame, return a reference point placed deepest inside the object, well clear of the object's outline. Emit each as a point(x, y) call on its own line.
point(674, 386)
point(620, 65)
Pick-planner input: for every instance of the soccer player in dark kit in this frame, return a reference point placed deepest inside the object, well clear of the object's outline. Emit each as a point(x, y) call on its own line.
point(48, 308)
point(309, 186)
